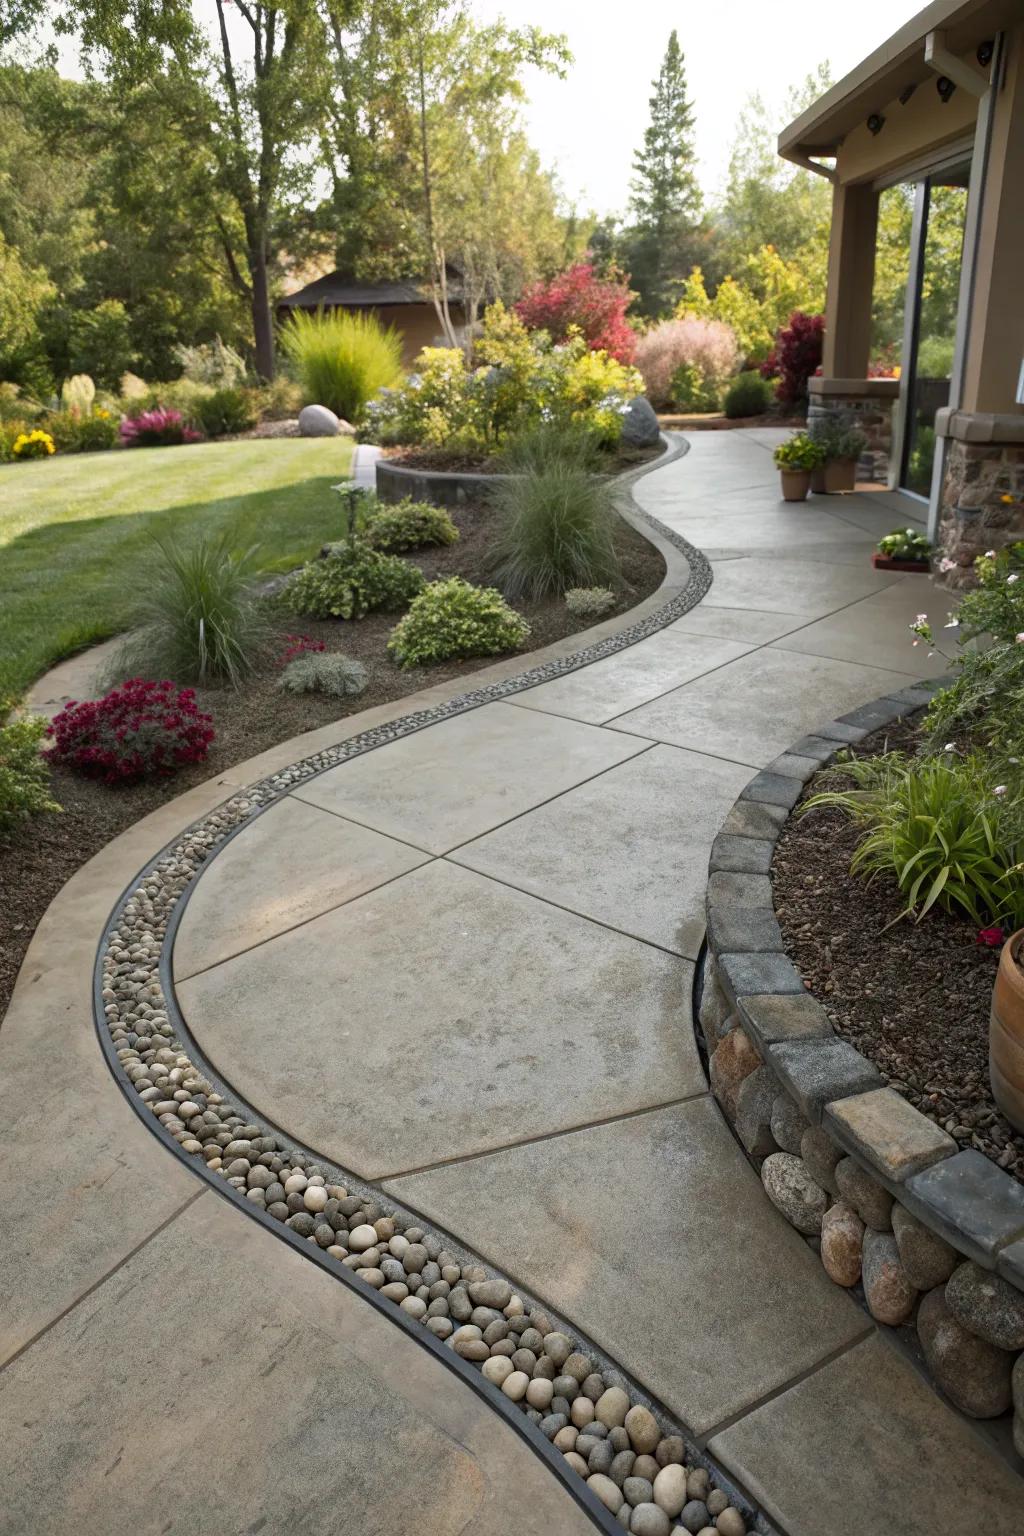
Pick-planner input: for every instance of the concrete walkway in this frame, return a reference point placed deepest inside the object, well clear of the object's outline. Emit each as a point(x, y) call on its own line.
point(461, 965)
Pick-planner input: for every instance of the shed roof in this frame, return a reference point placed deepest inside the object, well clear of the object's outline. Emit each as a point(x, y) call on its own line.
point(338, 289)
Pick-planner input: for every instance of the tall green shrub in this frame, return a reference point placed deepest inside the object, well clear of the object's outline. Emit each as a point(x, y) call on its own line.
point(342, 359)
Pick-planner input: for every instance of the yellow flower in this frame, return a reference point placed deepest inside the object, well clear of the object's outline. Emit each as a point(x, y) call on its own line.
point(1007, 500)
point(34, 444)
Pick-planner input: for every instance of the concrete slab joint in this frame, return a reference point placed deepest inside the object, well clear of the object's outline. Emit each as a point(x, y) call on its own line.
point(867, 1164)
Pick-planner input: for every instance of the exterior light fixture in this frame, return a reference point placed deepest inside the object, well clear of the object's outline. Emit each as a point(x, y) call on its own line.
point(985, 52)
point(876, 122)
point(945, 87)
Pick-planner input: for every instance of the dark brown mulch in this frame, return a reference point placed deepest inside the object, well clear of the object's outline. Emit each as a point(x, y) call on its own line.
point(915, 997)
point(467, 464)
point(717, 422)
point(37, 861)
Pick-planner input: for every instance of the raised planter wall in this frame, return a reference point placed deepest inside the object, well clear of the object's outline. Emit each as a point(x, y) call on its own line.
point(934, 1235)
point(443, 488)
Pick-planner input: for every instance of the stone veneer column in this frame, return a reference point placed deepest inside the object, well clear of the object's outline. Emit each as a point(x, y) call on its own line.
point(865, 404)
point(982, 501)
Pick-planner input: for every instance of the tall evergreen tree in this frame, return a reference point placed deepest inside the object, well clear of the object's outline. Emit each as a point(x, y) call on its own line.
point(665, 204)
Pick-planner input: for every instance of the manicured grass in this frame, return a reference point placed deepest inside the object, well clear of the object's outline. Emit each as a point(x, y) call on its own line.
point(76, 531)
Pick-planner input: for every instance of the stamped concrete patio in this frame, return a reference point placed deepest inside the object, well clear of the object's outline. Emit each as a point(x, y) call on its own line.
point(461, 966)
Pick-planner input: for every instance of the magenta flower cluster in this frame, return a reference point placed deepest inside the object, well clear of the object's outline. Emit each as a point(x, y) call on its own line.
point(157, 429)
point(136, 731)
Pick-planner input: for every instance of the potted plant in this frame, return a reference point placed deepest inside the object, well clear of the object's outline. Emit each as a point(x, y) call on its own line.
point(902, 550)
point(1006, 1032)
point(796, 458)
point(843, 445)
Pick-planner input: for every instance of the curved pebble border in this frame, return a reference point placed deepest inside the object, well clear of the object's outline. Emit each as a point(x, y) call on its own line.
point(624, 1459)
point(931, 1235)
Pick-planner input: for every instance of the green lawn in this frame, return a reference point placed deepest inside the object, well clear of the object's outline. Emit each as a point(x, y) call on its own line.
point(75, 531)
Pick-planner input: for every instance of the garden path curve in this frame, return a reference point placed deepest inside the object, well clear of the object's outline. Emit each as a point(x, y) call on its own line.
point(460, 966)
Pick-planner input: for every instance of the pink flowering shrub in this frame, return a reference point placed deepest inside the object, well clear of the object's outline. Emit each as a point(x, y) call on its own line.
point(137, 730)
point(707, 347)
point(160, 428)
point(299, 645)
point(595, 306)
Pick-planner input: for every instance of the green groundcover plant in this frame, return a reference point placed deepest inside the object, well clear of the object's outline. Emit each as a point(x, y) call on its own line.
point(408, 525)
point(326, 672)
point(452, 619)
point(589, 602)
point(351, 581)
point(905, 544)
point(24, 778)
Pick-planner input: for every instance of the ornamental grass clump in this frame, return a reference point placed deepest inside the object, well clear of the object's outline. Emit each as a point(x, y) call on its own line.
point(24, 780)
point(326, 672)
point(554, 517)
point(942, 828)
point(453, 619)
point(199, 619)
point(342, 359)
point(140, 730)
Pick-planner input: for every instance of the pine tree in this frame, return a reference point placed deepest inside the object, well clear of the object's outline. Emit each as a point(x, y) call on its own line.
point(665, 201)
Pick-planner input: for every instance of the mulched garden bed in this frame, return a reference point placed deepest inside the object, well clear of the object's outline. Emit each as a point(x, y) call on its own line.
point(914, 998)
point(45, 853)
point(718, 422)
point(449, 463)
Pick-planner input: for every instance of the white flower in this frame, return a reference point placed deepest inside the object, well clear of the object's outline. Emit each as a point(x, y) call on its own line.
point(1000, 789)
point(1020, 638)
point(950, 746)
point(1011, 579)
point(946, 564)
point(990, 554)
point(922, 618)
point(953, 624)
point(910, 533)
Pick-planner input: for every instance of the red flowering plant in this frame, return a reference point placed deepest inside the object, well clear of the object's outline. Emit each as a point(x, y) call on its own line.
point(579, 299)
point(137, 730)
point(299, 645)
point(161, 428)
point(796, 356)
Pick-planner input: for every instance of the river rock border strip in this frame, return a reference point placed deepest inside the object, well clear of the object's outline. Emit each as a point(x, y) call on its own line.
point(934, 1235)
point(624, 1459)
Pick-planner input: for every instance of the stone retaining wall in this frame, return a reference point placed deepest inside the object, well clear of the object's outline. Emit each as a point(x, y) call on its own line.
point(864, 404)
point(934, 1235)
point(982, 503)
point(441, 487)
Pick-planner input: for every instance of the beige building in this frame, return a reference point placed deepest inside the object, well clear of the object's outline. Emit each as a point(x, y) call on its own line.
point(939, 107)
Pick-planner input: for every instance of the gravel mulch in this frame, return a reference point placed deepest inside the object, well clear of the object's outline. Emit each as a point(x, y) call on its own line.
point(915, 997)
point(45, 853)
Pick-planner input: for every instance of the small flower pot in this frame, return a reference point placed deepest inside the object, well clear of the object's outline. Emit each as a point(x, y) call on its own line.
point(891, 563)
point(840, 476)
point(795, 484)
point(1006, 1033)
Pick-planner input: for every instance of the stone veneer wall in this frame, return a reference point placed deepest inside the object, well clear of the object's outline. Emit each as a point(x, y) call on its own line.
point(974, 515)
point(934, 1235)
point(868, 413)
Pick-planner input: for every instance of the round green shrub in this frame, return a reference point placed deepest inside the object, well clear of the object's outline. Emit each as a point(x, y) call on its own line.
point(351, 581)
point(747, 395)
point(226, 411)
point(453, 618)
point(324, 672)
point(408, 525)
point(24, 777)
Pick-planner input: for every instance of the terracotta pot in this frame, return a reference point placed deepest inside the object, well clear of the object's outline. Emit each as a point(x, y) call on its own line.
point(1006, 1033)
point(795, 484)
point(890, 563)
point(840, 475)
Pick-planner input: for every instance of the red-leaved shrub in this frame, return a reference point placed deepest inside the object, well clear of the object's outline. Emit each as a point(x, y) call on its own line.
point(299, 645)
point(796, 355)
point(578, 297)
point(161, 428)
point(139, 729)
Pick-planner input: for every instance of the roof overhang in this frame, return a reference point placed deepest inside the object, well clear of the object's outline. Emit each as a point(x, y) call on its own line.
point(892, 69)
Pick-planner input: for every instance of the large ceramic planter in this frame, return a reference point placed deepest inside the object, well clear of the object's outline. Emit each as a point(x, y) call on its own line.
point(840, 475)
point(1006, 1033)
point(795, 484)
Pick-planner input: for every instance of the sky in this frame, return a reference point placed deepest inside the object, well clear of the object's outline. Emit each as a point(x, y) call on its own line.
point(588, 125)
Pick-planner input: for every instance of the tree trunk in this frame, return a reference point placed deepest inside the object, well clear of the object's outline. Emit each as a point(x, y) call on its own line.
point(262, 320)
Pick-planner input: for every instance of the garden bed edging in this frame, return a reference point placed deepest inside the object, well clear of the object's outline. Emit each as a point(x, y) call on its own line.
point(441, 487)
point(935, 1235)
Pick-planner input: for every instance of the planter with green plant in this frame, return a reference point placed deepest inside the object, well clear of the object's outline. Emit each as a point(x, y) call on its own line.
point(902, 550)
point(796, 458)
point(842, 445)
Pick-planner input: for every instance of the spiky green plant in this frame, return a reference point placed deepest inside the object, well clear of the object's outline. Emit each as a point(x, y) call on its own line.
point(342, 359)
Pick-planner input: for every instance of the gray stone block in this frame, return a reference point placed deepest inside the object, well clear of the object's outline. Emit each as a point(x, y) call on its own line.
point(1010, 1264)
point(774, 789)
point(729, 890)
point(887, 1133)
point(819, 1071)
point(840, 731)
point(972, 1203)
point(743, 930)
point(869, 717)
point(794, 766)
point(752, 818)
point(754, 1112)
point(764, 972)
point(741, 855)
point(919, 694)
point(773, 1018)
point(818, 747)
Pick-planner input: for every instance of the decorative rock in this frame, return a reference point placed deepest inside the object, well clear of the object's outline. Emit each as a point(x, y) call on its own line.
point(578, 1367)
point(318, 421)
point(792, 1191)
point(490, 1293)
point(638, 1490)
point(731, 1523)
point(604, 1489)
point(842, 1236)
point(788, 1125)
point(714, 1006)
point(565, 1439)
point(577, 1463)
point(642, 1429)
point(581, 1412)
point(754, 1103)
point(649, 1520)
point(639, 424)
point(698, 1484)
point(889, 1294)
point(360, 1238)
point(515, 1385)
point(671, 1451)
point(539, 1393)
point(497, 1369)
point(821, 1155)
point(611, 1407)
point(716, 1502)
point(601, 1456)
point(870, 1200)
point(990, 1307)
point(670, 1490)
point(622, 1466)
point(694, 1516)
point(733, 1060)
point(558, 1348)
point(974, 1374)
point(315, 1198)
point(566, 1386)
point(552, 1424)
point(927, 1258)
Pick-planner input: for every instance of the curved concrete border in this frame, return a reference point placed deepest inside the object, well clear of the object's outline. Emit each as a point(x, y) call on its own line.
point(443, 487)
point(173, 872)
point(973, 1209)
